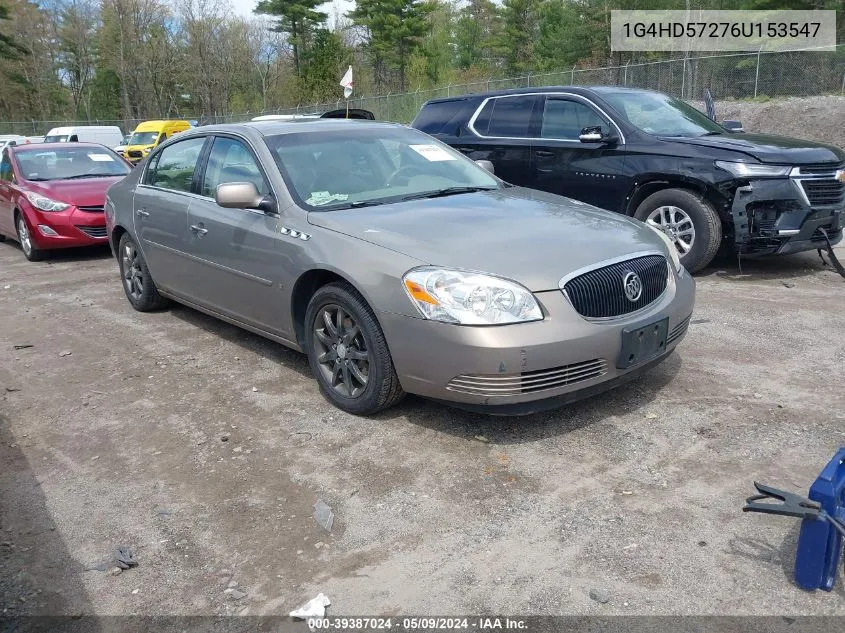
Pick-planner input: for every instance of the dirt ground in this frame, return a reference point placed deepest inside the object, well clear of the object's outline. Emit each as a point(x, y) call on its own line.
point(814, 118)
point(112, 426)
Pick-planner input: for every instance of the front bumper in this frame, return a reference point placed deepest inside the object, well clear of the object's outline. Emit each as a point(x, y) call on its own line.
point(72, 227)
point(539, 363)
point(776, 217)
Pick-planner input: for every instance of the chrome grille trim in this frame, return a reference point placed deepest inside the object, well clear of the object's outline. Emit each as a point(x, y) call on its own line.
point(93, 231)
point(678, 331)
point(818, 184)
point(597, 292)
point(528, 382)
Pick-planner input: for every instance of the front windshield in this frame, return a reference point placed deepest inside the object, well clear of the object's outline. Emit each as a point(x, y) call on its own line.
point(661, 115)
point(338, 169)
point(56, 139)
point(71, 163)
point(143, 138)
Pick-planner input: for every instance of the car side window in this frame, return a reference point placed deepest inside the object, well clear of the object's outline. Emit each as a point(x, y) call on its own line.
point(565, 118)
point(174, 167)
point(231, 161)
point(506, 116)
point(6, 168)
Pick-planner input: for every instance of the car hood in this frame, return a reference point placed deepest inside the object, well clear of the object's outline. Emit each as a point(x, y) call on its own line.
point(531, 237)
point(769, 149)
point(87, 192)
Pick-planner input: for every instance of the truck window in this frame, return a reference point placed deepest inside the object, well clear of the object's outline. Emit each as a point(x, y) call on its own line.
point(506, 116)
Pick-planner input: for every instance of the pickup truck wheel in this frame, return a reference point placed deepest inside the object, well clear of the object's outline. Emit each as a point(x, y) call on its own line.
point(688, 220)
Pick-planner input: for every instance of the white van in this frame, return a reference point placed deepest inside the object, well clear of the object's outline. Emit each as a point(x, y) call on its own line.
point(108, 135)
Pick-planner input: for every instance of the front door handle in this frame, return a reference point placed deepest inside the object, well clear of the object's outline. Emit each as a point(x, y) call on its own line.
point(141, 213)
point(544, 153)
point(198, 230)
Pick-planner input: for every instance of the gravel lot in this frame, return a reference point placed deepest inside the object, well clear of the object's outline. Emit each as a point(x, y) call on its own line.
point(111, 429)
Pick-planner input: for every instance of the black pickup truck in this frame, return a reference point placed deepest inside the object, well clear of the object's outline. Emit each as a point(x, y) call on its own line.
point(658, 159)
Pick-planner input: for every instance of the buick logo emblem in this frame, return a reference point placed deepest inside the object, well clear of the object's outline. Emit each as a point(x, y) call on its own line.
point(633, 286)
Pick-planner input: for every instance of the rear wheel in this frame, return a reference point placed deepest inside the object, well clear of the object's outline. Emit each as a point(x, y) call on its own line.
point(30, 250)
point(688, 220)
point(137, 282)
point(348, 353)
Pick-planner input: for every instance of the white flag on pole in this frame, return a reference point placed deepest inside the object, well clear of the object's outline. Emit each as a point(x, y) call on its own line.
point(346, 82)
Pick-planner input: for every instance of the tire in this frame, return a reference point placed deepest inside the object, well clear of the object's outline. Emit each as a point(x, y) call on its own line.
point(337, 355)
point(677, 211)
point(138, 284)
point(30, 250)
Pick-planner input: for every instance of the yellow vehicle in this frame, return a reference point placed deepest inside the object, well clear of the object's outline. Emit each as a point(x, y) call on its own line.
point(148, 135)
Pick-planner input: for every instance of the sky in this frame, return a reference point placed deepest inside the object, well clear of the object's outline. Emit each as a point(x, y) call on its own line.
point(245, 7)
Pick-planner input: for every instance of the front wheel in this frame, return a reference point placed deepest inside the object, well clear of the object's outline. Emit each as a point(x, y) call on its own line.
point(30, 250)
point(137, 282)
point(348, 353)
point(688, 220)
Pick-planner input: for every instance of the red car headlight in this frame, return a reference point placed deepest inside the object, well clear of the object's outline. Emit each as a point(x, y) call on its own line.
point(45, 204)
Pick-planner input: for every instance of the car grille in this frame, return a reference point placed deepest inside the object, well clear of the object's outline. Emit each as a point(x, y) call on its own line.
point(678, 331)
point(600, 293)
point(820, 168)
point(824, 191)
point(91, 209)
point(530, 381)
point(93, 231)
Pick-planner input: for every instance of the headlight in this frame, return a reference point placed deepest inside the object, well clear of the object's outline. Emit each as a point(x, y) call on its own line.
point(45, 204)
point(466, 298)
point(751, 170)
point(670, 245)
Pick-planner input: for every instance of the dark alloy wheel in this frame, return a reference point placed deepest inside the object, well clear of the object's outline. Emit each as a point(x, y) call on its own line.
point(342, 352)
point(137, 282)
point(348, 353)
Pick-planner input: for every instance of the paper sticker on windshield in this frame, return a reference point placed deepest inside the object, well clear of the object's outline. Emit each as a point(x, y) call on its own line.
point(319, 198)
point(101, 158)
point(433, 153)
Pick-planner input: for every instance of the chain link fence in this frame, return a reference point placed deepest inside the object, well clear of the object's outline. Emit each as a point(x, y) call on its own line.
point(759, 75)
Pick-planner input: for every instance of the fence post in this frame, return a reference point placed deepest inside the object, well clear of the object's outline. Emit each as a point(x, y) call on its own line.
point(625, 79)
point(842, 92)
point(572, 77)
point(529, 80)
point(757, 73)
point(684, 77)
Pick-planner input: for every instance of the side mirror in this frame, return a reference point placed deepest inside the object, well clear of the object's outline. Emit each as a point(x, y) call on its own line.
point(733, 126)
point(243, 195)
point(486, 164)
point(596, 134)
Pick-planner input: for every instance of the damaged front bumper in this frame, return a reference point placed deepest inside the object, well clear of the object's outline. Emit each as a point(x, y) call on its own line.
point(785, 215)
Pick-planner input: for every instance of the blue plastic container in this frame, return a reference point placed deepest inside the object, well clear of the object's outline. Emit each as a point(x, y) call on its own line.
point(819, 543)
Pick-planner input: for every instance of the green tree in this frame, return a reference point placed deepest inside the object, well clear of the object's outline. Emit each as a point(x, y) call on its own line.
point(9, 47)
point(326, 61)
point(297, 18)
point(476, 30)
point(396, 30)
point(520, 21)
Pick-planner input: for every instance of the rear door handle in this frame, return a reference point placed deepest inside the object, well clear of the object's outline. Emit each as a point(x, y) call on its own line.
point(200, 231)
point(141, 213)
point(544, 153)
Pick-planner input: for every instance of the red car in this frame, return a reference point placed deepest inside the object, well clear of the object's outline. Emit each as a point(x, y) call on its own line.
point(52, 194)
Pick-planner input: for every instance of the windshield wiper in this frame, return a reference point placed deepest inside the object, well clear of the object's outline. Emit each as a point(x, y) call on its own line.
point(79, 176)
point(352, 205)
point(711, 134)
point(448, 191)
point(38, 179)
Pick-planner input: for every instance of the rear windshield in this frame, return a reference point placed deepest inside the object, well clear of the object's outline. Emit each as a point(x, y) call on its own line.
point(71, 163)
point(57, 139)
point(434, 116)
